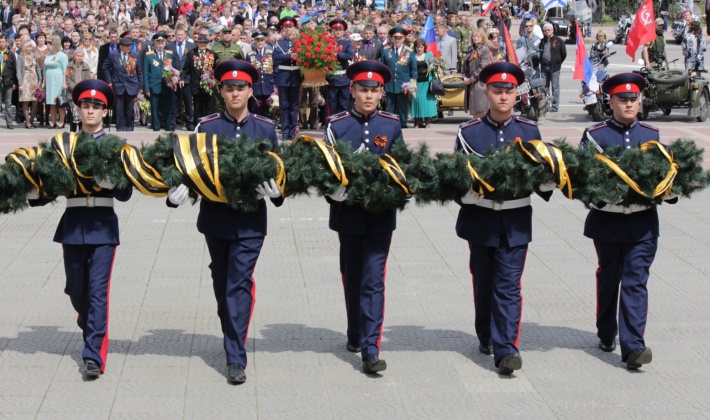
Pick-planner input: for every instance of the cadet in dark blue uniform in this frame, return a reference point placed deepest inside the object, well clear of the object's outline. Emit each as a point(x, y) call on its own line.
point(402, 62)
point(364, 237)
point(625, 237)
point(260, 57)
point(497, 232)
point(339, 84)
point(88, 232)
point(288, 78)
point(234, 239)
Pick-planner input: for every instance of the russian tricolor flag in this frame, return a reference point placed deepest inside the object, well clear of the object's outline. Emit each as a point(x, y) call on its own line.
point(429, 35)
point(583, 69)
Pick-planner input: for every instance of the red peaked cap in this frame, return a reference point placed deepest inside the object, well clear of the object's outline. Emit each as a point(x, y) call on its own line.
point(625, 85)
point(369, 73)
point(502, 74)
point(236, 72)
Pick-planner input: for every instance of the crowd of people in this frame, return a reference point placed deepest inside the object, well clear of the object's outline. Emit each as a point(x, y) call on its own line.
point(130, 44)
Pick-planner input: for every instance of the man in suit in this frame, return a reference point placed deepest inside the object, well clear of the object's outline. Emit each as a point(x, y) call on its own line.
point(7, 13)
point(199, 60)
point(364, 237)
point(124, 73)
point(165, 13)
point(401, 61)
point(260, 58)
point(104, 51)
point(497, 228)
point(154, 86)
point(447, 47)
point(8, 79)
point(371, 48)
point(183, 96)
point(11, 31)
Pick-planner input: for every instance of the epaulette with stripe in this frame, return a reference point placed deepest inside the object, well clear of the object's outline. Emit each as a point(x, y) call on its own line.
point(389, 115)
point(263, 119)
point(643, 124)
point(470, 123)
point(338, 116)
point(151, 52)
point(597, 126)
point(208, 118)
point(526, 121)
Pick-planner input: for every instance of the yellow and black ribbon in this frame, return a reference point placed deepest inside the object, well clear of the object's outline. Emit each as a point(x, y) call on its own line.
point(543, 153)
point(480, 186)
point(331, 156)
point(25, 158)
point(64, 144)
point(390, 165)
point(280, 172)
point(197, 157)
point(663, 188)
point(142, 175)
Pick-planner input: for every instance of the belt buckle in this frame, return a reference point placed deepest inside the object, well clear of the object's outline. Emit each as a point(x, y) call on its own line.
point(496, 206)
point(90, 201)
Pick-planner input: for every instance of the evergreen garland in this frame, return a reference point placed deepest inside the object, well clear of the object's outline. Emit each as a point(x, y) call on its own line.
point(646, 167)
point(13, 188)
point(57, 179)
point(420, 169)
point(101, 159)
point(307, 167)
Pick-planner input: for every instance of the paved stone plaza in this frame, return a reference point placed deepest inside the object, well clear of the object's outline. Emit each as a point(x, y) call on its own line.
point(166, 359)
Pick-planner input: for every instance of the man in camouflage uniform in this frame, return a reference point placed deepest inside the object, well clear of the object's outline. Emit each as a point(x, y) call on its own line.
point(463, 38)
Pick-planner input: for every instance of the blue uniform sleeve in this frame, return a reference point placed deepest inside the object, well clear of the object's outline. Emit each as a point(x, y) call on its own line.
point(348, 53)
point(279, 57)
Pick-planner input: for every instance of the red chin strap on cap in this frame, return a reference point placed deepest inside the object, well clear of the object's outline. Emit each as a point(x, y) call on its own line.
point(624, 88)
point(502, 78)
point(369, 76)
point(236, 75)
point(94, 94)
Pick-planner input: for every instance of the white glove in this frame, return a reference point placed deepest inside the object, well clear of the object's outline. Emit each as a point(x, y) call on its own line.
point(547, 186)
point(105, 184)
point(471, 197)
point(268, 189)
point(669, 197)
point(339, 195)
point(32, 195)
point(179, 195)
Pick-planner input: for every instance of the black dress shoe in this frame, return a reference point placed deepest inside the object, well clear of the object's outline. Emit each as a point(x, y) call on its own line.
point(639, 357)
point(10, 127)
point(607, 346)
point(91, 368)
point(235, 374)
point(485, 348)
point(352, 348)
point(509, 363)
point(373, 364)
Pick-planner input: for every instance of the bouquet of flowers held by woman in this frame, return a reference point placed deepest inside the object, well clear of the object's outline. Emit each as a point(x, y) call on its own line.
point(40, 94)
point(171, 77)
point(207, 82)
point(317, 50)
point(437, 65)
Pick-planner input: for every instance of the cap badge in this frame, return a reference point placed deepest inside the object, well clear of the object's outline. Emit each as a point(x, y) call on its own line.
point(234, 73)
point(628, 86)
point(504, 76)
point(93, 92)
point(369, 75)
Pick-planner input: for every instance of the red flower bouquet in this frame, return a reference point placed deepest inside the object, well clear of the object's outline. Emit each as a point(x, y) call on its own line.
point(317, 50)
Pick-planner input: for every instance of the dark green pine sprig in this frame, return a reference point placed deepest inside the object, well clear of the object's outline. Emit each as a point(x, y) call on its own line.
point(101, 159)
point(13, 188)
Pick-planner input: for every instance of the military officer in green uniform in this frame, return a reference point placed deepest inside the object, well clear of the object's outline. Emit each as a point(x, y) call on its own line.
point(153, 85)
point(225, 50)
point(401, 61)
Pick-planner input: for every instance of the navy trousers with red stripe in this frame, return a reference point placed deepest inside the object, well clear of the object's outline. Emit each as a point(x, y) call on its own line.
point(626, 265)
point(497, 274)
point(363, 262)
point(288, 106)
point(232, 266)
point(88, 270)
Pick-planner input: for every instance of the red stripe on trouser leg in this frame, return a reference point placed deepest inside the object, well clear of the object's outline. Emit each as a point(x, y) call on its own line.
point(384, 300)
point(520, 286)
point(251, 310)
point(105, 343)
